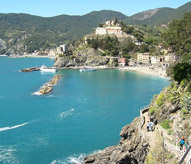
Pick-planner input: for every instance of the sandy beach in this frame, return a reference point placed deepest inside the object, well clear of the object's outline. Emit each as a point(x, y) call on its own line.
point(158, 71)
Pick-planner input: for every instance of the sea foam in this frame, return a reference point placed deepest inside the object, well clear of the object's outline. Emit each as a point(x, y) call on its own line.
point(7, 155)
point(12, 127)
point(66, 113)
point(75, 159)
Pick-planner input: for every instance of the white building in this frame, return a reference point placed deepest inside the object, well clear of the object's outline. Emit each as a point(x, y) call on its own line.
point(108, 30)
point(62, 49)
point(101, 31)
point(156, 59)
point(171, 58)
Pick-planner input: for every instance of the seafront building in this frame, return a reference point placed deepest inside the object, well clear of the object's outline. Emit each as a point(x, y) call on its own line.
point(143, 58)
point(146, 58)
point(156, 59)
point(122, 62)
point(170, 58)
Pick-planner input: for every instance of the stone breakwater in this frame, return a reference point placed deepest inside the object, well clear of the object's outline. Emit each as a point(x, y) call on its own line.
point(48, 87)
point(31, 69)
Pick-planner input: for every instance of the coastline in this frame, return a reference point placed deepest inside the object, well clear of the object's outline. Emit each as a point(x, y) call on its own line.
point(146, 70)
point(31, 56)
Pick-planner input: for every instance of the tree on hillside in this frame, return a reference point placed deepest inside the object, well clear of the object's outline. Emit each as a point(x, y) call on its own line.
point(144, 48)
point(182, 71)
point(178, 36)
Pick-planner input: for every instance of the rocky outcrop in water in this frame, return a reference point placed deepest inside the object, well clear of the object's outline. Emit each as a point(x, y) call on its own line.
point(30, 69)
point(132, 149)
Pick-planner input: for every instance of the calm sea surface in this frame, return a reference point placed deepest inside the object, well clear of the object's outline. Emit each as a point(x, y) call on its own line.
point(84, 113)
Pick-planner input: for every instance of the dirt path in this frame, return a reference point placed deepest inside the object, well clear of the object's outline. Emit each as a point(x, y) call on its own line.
point(167, 139)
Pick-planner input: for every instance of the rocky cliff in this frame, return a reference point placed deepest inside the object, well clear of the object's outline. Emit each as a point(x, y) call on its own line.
point(2, 44)
point(85, 57)
point(132, 149)
point(170, 111)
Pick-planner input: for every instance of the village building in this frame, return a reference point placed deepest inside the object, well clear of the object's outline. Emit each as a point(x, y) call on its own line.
point(108, 30)
point(156, 59)
point(62, 49)
point(100, 31)
point(113, 30)
point(170, 58)
point(143, 58)
point(122, 61)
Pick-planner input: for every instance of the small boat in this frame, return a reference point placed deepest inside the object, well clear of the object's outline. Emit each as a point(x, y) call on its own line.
point(87, 69)
point(47, 69)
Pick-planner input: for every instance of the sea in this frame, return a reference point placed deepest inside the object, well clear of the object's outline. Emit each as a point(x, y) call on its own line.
point(83, 114)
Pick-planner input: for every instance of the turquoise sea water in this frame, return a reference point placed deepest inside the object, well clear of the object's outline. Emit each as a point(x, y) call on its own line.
point(84, 113)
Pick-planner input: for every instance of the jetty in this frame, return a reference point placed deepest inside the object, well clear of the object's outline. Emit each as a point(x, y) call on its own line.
point(30, 69)
point(48, 87)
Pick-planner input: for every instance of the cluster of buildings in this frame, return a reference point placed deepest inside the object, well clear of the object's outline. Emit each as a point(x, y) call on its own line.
point(110, 27)
point(146, 58)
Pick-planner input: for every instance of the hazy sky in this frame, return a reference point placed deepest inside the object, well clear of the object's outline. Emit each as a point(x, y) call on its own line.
point(49, 8)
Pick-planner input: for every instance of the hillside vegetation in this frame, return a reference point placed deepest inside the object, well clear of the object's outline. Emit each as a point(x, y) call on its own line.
point(159, 16)
point(26, 33)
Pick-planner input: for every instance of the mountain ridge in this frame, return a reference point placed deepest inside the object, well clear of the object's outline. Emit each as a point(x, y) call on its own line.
point(27, 33)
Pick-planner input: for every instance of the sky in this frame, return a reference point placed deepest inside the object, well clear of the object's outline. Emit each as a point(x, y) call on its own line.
point(49, 8)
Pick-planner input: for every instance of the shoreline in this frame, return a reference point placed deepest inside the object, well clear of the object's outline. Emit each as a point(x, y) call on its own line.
point(31, 56)
point(146, 70)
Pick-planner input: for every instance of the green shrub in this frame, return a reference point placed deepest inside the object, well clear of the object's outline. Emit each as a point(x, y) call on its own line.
point(61, 55)
point(184, 111)
point(165, 124)
point(170, 131)
point(160, 99)
point(184, 82)
point(152, 110)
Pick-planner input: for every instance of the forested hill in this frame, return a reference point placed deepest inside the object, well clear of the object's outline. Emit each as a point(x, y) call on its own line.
point(158, 16)
point(27, 33)
point(57, 29)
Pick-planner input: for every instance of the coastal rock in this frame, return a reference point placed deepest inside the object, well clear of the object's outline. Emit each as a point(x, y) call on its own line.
point(85, 57)
point(66, 62)
point(2, 44)
point(30, 69)
point(132, 149)
point(87, 52)
point(61, 62)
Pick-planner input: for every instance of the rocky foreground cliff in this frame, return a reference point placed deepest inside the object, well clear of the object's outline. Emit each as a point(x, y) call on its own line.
point(170, 111)
point(133, 148)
